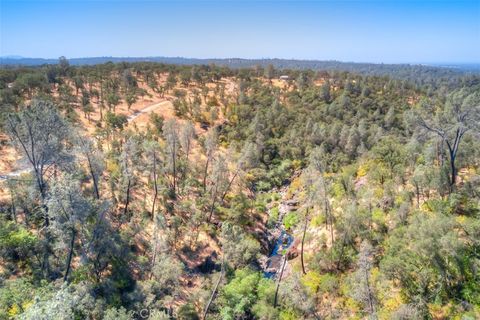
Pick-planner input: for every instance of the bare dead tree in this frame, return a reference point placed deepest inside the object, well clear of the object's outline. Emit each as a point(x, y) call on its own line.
point(170, 133)
point(364, 291)
point(450, 122)
point(94, 161)
point(303, 241)
point(187, 134)
point(284, 262)
point(210, 148)
point(40, 134)
point(219, 179)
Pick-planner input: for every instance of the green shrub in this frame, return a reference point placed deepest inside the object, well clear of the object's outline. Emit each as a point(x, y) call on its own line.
point(16, 242)
point(273, 217)
point(328, 283)
point(187, 312)
point(290, 220)
point(288, 314)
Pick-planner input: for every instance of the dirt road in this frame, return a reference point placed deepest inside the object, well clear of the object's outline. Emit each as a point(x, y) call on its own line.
point(147, 109)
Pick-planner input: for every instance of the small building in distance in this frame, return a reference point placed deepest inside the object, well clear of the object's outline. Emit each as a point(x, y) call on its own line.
point(284, 78)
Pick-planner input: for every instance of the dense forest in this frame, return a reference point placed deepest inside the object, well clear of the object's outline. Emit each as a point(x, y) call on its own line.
point(414, 73)
point(157, 191)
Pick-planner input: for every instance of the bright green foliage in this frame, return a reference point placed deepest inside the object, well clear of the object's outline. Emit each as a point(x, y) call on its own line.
point(115, 121)
point(239, 248)
point(431, 259)
point(240, 294)
point(16, 242)
point(247, 292)
point(15, 297)
point(187, 312)
point(322, 283)
point(290, 220)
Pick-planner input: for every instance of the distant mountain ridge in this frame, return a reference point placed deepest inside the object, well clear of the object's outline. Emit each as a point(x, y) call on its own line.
point(232, 62)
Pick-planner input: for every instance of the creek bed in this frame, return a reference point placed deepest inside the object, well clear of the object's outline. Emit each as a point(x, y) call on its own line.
point(273, 264)
point(279, 238)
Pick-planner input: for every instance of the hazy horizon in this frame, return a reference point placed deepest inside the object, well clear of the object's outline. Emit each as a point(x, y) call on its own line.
point(430, 32)
point(439, 63)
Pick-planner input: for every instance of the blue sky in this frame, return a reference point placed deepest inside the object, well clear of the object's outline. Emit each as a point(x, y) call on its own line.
point(360, 31)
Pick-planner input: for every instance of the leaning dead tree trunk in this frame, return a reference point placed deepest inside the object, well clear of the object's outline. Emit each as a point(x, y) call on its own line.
point(14, 210)
point(212, 207)
point(222, 199)
point(279, 280)
point(210, 147)
point(155, 187)
point(155, 249)
point(205, 172)
point(174, 156)
point(94, 178)
point(70, 256)
point(371, 304)
point(303, 243)
point(340, 257)
point(328, 213)
point(212, 297)
point(127, 200)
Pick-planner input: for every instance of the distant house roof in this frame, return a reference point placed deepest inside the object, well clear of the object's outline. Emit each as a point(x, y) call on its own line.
point(285, 77)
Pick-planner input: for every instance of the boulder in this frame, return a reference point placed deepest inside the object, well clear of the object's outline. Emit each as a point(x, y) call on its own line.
point(274, 263)
point(294, 250)
point(292, 202)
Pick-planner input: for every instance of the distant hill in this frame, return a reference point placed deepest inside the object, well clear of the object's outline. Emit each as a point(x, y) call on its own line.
point(469, 67)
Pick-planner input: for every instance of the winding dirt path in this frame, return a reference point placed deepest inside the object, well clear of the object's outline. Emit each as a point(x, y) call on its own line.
point(147, 109)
